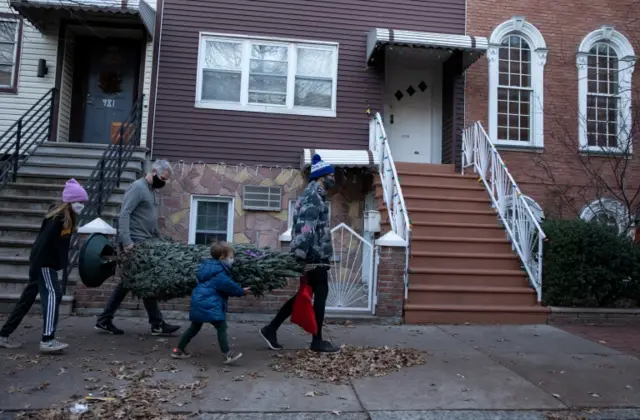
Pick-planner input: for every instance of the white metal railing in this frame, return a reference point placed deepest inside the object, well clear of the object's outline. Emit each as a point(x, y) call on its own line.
point(392, 192)
point(521, 225)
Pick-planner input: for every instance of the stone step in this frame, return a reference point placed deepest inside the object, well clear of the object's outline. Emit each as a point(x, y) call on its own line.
point(14, 266)
point(35, 216)
point(15, 247)
point(69, 171)
point(81, 150)
point(26, 231)
point(18, 203)
point(47, 159)
point(60, 179)
point(474, 314)
point(8, 302)
point(47, 190)
point(15, 283)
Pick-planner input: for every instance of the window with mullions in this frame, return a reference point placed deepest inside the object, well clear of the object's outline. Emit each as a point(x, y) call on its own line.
point(514, 90)
point(602, 96)
point(211, 220)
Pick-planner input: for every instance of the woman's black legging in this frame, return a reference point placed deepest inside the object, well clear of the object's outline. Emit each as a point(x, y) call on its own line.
point(318, 279)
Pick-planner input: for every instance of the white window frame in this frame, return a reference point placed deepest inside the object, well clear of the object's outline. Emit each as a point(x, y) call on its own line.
point(626, 66)
point(16, 45)
point(244, 105)
point(287, 235)
point(193, 215)
point(519, 26)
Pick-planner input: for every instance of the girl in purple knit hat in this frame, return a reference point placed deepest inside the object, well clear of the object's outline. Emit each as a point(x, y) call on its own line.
point(49, 254)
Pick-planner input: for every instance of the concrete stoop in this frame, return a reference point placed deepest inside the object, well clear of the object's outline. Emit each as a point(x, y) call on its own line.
point(24, 203)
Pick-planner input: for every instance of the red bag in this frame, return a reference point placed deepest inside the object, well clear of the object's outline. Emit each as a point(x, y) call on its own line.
point(303, 313)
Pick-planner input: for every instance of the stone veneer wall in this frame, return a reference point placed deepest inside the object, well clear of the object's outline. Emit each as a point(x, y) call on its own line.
point(347, 205)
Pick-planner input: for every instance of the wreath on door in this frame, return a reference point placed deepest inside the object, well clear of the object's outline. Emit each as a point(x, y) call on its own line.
point(110, 82)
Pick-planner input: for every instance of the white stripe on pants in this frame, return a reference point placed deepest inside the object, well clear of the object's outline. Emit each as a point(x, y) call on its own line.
point(50, 316)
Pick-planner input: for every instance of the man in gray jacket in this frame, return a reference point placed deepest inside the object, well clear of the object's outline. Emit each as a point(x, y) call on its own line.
point(137, 222)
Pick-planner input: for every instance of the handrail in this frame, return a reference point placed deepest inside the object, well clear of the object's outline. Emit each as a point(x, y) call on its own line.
point(521, 225)
point(105, 177)
point(392, 191)
point(25, 135)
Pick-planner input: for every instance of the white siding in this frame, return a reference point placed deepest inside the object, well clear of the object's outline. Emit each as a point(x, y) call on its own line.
point(146, 84)
point(66, 88)
point(30, 87)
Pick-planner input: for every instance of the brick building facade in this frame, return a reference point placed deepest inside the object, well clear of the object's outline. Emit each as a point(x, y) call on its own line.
point(561, 39)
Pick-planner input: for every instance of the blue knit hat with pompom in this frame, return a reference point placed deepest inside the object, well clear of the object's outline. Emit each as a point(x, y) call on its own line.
point(320, 168)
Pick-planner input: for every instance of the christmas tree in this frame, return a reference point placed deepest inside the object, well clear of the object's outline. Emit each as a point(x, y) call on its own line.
point(163, 269)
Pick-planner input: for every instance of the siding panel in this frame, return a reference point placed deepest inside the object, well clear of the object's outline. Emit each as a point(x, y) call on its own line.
point(184, 132)
point(30, 87)
point(64, 111)
point(146, 84)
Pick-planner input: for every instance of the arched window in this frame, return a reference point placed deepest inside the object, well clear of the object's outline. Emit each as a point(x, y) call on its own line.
point(607, 211)
point(517, 56)
point(605, 61)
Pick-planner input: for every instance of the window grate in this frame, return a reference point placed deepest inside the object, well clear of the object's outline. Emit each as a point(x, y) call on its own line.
point(257, 197)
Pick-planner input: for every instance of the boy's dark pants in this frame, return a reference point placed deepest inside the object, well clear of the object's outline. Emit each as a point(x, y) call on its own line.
point(318, 279)
point(194, 329)
point(44, 281)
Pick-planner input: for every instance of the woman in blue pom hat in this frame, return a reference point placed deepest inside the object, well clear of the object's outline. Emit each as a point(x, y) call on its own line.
point(311, 243)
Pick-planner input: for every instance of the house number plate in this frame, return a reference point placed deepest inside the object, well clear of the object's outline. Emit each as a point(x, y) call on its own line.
point(109, 103)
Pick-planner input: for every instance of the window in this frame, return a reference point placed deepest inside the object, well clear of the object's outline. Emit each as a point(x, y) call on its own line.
point(609, 212)
point(10, 32)
point(517, 55)
point(240, 74)
point(286, 237)
point(605, 61)
point(211, 220)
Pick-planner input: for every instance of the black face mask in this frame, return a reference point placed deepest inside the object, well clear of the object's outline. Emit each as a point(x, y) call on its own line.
point(329, 183)
point(157, 182)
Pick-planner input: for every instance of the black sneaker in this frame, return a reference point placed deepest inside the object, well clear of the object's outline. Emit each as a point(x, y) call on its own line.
point(271, 338)
point(324, 347)
point(109, 328)
point(164, 329)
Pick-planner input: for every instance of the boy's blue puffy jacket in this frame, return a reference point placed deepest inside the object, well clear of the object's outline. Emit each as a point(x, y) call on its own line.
point(209, 298)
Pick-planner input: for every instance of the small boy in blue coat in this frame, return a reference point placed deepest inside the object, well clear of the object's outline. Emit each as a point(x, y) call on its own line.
point(209, 301)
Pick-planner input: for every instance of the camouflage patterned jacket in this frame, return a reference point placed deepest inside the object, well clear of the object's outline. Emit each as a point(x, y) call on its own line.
point(311, 234)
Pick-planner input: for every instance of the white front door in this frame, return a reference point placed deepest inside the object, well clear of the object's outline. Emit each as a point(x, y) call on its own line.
point(409, 117)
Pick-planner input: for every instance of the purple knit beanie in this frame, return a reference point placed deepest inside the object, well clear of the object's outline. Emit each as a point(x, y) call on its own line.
point(73, 192)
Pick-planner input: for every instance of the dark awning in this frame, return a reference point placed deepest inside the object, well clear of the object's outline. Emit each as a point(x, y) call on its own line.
point(379, 38)
point(44, 13)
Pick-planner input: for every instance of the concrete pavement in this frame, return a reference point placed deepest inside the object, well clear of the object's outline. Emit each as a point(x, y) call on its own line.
point(471, 372)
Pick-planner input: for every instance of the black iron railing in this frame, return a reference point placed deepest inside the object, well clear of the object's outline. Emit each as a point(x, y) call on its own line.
point(24, 136)
point(106, 177)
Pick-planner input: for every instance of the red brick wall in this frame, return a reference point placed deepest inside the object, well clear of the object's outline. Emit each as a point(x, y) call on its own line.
point(563, 25)
point(391, 282)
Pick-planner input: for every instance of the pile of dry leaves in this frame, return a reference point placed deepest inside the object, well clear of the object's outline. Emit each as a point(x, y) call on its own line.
point(350, 363)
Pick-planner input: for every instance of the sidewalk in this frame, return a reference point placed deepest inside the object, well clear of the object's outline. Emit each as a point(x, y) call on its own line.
point(532, 369)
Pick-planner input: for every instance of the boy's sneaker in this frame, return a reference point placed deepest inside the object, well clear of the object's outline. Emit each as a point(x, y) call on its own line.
point(179, 354)
point(164, 329)
point(109, 328)
point(324, 347)
point(52, 346)
point(231, 356)
point(271, 338)
point(8, 343)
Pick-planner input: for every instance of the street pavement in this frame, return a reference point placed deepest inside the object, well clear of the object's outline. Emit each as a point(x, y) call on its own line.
point(471, 372)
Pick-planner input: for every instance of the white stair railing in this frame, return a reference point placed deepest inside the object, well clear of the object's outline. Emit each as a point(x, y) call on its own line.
point(519, 221)
point(392, 192)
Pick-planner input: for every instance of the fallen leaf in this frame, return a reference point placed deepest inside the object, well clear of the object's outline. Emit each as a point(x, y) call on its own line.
point(602, 342)
point(595, 395)
point(555, 395)
point(225, 399)
point(336, 412)
point(311, 394)
point(350, 363)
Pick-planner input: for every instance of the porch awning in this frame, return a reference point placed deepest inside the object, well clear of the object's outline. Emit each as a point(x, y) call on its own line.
point(343, 158)
point(41, 13)
point(379, 38)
